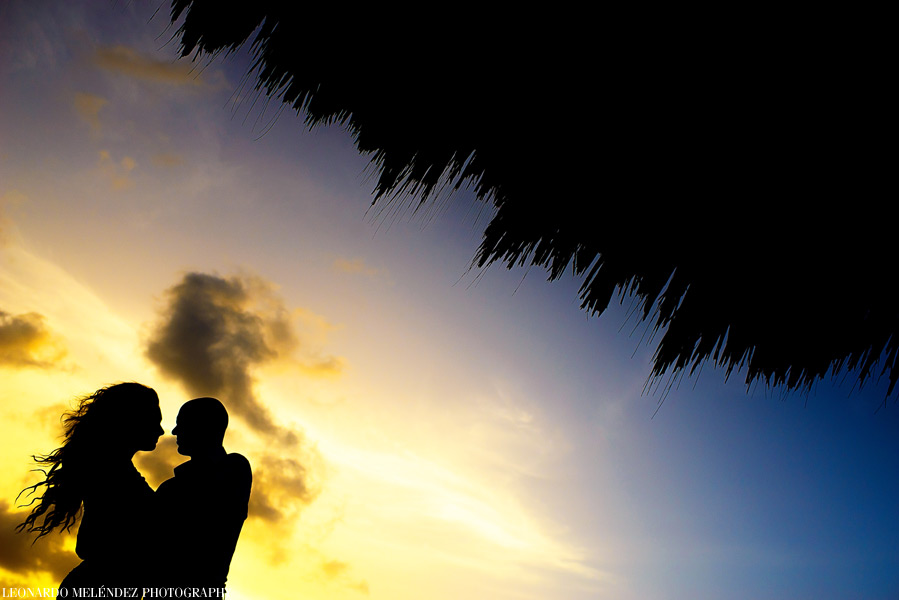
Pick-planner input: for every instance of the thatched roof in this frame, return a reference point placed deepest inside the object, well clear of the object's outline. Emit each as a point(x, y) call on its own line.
point(732, 190)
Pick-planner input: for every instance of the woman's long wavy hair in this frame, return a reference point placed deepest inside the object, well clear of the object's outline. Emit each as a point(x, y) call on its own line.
point(87, 433)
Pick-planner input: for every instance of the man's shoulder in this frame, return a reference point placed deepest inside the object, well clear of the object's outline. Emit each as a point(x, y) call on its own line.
point(238, 465)
point(238, 479)
point(173, 480)
point(167, 487)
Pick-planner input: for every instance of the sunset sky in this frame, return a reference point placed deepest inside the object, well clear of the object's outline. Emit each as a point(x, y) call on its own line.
point(418, 429)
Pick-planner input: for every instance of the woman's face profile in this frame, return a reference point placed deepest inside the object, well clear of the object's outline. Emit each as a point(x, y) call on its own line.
point(149, 429)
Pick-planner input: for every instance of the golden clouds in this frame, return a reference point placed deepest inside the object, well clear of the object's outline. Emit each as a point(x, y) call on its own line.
point(283, 484)
point(18, 555)
point(99, 342)
point(88, 107)
point(25, 341)
point(127, 61)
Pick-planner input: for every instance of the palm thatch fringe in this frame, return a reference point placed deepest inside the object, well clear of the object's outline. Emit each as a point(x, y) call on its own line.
point(734, 197)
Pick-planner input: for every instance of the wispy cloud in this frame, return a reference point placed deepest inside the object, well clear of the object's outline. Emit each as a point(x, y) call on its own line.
point(88, 107)
point(32, 39)
point(12, 198)
point(478, 520)
point(361, 586)
point(128, 61)
point(117, 172)
point(333, 568)
point(336, 570)
point(168, 160)
point(88, 325)
point(355, 266)
point(25, 341)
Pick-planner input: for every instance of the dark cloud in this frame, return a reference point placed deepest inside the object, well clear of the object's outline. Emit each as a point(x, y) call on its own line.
point(213, 332)
point(18, 555)
point(25, 341)
point(159, 465)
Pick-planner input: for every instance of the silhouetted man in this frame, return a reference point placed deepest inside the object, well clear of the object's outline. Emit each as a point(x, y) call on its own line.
point(204, 505)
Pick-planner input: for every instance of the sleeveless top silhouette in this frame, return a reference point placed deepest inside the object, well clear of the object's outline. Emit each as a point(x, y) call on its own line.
point(114, 536)
point(202, 510)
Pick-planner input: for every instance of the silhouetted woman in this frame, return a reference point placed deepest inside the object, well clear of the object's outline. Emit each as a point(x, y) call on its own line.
point(93, 468)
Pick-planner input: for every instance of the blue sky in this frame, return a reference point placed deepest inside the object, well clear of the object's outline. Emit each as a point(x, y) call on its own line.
point(481, 436)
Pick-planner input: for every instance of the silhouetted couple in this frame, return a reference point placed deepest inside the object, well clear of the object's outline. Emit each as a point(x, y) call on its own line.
point(182, 535)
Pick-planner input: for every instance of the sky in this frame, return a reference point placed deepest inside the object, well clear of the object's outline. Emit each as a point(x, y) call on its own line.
point(418, 429)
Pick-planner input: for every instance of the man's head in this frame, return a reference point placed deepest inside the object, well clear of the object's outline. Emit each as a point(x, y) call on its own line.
point(200, 427)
